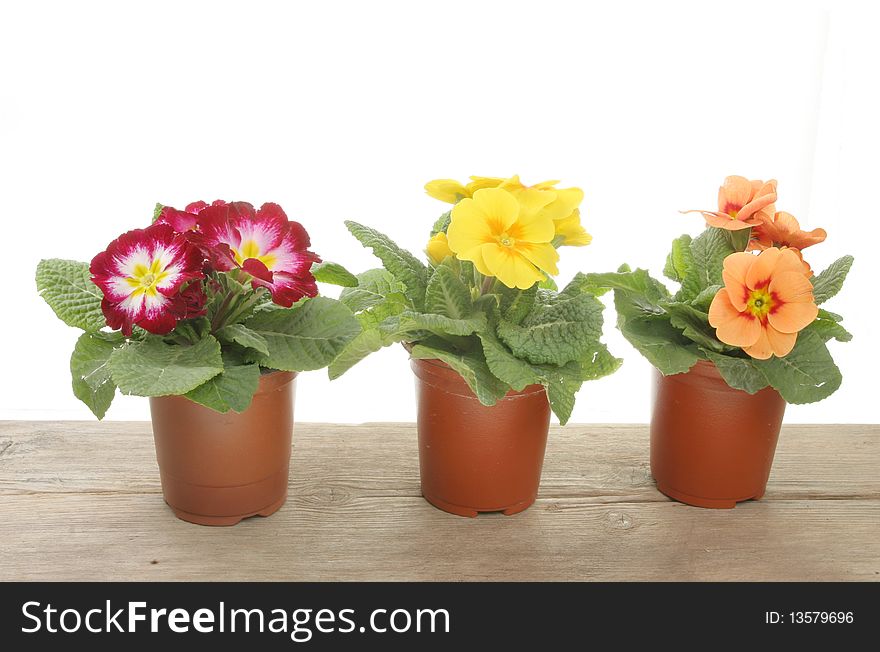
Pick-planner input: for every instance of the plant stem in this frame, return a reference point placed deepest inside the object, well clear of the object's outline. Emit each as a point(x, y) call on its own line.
point(488, 282)
point(235, 313)
point(220, 316)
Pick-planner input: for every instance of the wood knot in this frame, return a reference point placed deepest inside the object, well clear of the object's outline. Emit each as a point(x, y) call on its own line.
point(326, 496)
point(640, 476)
point(620, 520)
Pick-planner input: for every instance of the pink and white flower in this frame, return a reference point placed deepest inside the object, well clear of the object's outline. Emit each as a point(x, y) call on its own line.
point(187, 219)
point(142, 274)
point(265, 244)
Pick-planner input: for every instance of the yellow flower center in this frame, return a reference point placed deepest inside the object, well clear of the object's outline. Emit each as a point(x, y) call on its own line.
point(732, 210)
point(760, 303)
point(506, 240)
point(250, 249)
point(144, 279)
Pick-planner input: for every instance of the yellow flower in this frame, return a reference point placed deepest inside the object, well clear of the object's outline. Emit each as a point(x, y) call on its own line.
point(563, 210)
point(515, 185)
point(438, 248)
point(478, 183)
point(452, 191)
point(570, 230)
point(507, 237)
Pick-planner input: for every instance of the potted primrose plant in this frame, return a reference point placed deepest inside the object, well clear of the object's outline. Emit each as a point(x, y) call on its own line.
point(743, 336)
point(493, 345)
point(210, 312)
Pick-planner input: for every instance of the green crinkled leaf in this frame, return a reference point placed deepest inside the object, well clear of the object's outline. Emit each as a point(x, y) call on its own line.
point(241, 334)
point(379, 301)
point(739, 373)
point(708, 251)
point(517, 373)
point(440, 324)
point(366, 342)
point(307, 336)
point(581, 283)
point(192, 329)
point(704, 299)
point(644, 322)
point(644, 289)
point(661, 343)
point(374, 336)
point(472, 368)
point(66, 285)
point(558, 329)
point(392, 306)
point(90, 372)
point(516, 304)
point(829, 282)
point(157, 211)
point(405, 267)
point(599, 363)
point(827, 326)
point(442, 223)
point(465, 268)
point(446, 295)
point(334, 274)
point(232, 389)
point(694, 325)
point(827, 314)
point(561, 382)
point(549, 283)
point(562, 385)
point(374, 286)
point(807, 374)
point(679, 260)
point(829, 329)
point(154, 368)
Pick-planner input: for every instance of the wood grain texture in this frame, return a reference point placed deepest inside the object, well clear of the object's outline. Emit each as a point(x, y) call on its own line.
point(82, 501)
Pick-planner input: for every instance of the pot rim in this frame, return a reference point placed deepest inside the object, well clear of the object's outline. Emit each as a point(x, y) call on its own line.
point(269, 382)
point(274, 380)
point(706, 370)
point(443, 370)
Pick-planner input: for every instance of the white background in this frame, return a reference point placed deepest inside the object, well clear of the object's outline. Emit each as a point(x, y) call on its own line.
point(343, 110)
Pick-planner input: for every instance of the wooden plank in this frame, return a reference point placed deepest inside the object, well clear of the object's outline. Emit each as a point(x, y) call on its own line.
point(604, 461)
point(82, 501)
point(135, 537)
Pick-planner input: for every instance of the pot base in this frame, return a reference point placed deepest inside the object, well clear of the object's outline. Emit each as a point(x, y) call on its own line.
point(225, 505)
point(471, 512)
point(710, 503)
point(201, 519)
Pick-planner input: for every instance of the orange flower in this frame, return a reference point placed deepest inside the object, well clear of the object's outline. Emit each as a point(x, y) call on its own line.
point(807, 269)
point(783, 230)
point(742, 204)
point(766, 300)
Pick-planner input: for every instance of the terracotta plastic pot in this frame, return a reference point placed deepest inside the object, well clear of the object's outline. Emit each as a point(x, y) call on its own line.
point(475, 458)
point(220, 468)
point(712, 445)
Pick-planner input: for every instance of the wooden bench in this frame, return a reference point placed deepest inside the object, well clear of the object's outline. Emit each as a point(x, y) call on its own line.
point(82, 501)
